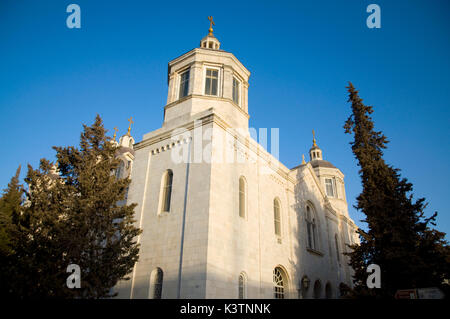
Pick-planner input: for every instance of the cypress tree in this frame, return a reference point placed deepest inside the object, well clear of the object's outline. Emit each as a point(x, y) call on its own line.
point(10, 210)
point(72, 216)
point(399, 237)
point(10, 206)
point(100, 233)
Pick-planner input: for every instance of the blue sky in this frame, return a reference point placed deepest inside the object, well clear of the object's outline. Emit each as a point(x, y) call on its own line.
point(301, 55)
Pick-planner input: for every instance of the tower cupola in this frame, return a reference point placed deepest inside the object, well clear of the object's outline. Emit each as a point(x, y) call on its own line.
point(125, 152)
point(315, 153)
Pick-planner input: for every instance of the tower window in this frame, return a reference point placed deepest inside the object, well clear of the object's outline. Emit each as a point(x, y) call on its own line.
point(235, 91)
point(184, 84)
point(212, 81)
point(119, 170)
point(330, 187)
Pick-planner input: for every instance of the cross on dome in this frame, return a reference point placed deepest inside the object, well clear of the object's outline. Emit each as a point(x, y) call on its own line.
point(210, 41)
point(129, 127)
point(211, 23)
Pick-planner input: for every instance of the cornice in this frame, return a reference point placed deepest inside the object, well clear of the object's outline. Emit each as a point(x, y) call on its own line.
point(218, 53)
point(205, 97)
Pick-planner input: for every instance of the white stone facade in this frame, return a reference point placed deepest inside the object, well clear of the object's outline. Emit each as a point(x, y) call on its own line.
point(205, 242)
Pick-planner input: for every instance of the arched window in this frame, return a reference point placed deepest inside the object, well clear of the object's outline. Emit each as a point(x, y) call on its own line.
point(337, 248)
point(317, 289)
point(304, 284)
point(242, 290)
point(343, 290)
point(311, 228)
point(328, 291)
point(330, 187)
point(277, 216)
point(156, 284)
point(119, 170)
point(166, 190)
point(242, 197)
point(279, 283)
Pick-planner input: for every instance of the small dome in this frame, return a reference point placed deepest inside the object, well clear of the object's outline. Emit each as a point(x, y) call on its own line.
point(126, 141)
point(210, 42)
point(315, 153)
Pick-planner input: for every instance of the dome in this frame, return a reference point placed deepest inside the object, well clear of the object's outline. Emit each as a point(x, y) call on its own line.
point(316, 155)
point(321, 163)
point(210, 42)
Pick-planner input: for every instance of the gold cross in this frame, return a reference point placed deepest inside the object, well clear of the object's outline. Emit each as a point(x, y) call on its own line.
point(115, 133)
point(211, 23)
point(131, 122)
point(314, 138)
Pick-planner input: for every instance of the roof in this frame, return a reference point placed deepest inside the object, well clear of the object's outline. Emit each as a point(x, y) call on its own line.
point(321, 163)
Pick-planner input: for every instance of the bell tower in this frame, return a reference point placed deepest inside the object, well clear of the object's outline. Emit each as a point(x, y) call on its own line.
point(207, 79)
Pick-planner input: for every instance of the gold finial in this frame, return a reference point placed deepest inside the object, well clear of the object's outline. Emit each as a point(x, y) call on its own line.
point(129, 127)
point(303, 159)
point(211, 23)
point(115, 133)
point(314, 138)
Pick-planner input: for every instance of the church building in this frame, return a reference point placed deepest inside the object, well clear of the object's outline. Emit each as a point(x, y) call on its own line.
point(221, 216)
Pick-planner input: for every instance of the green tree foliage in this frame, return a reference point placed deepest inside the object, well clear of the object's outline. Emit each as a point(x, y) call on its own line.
point(73, 215)
point(399, 238)
point(10, 210)
point(10, 204)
